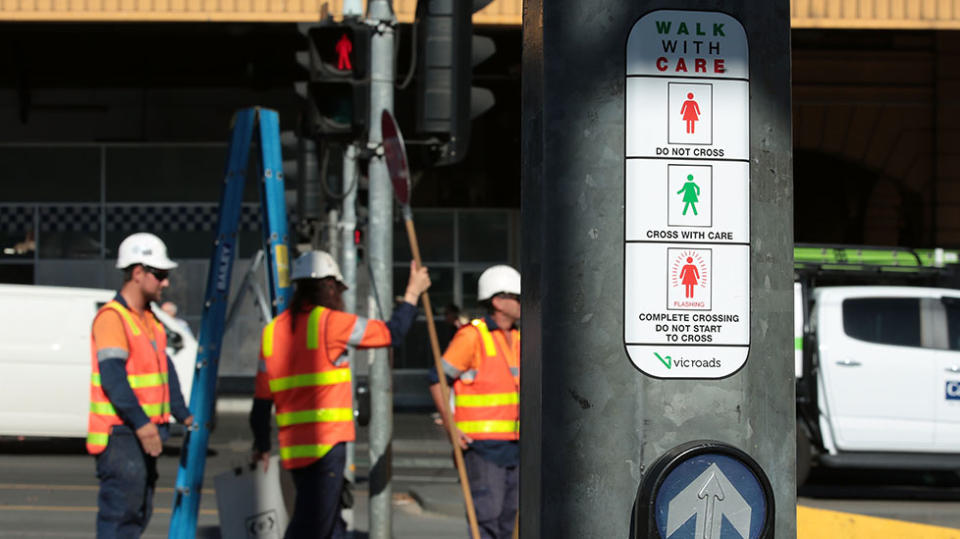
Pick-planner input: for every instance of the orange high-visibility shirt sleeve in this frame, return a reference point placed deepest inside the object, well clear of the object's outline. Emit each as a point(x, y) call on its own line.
point(462, 352)
point(349, 329)
point(109, 337)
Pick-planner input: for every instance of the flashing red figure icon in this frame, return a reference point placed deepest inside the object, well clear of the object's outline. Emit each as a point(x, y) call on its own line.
point(689, 277)
point(690, 112)
point(344, 48)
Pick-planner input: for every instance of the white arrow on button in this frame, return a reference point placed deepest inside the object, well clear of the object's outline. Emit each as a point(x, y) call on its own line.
point(709, 497)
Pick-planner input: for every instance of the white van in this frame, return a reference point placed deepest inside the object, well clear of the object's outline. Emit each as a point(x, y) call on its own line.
point(877, 366)
point(45, 358)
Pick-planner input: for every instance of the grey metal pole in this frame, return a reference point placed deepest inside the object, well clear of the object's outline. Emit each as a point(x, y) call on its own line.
point(348, 267)
point(380, 14)
point(348, 224)
point(333, 232)
point(594, 423)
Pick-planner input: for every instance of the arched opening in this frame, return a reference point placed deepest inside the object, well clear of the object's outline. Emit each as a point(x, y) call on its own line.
point(838, 201)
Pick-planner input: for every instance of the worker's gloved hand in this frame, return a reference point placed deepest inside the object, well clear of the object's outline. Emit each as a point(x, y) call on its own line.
point(258, 456)
point(149, 437)
point(418, 283)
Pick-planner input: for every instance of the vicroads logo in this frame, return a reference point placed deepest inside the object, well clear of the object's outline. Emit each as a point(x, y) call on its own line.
point(667, 361)
point(714, 363)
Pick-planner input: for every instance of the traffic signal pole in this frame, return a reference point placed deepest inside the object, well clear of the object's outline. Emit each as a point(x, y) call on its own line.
point(380, 14)
point(348, 266)
point(657, 395)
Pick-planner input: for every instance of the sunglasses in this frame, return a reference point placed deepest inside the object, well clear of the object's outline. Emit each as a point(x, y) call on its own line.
point(507, 295)
point(158, 273)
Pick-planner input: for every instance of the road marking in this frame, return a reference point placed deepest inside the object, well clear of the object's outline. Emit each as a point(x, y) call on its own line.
point(425, 479)
point(86, 509)
point(816, 523)
point(31, 486)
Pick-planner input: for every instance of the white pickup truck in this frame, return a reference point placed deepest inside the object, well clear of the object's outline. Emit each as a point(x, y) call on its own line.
point(877, 366)
point(45, 358)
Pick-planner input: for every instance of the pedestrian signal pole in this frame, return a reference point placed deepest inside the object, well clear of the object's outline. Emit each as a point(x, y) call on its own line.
point(657, 394)
point(348, 266)
point(380, 257)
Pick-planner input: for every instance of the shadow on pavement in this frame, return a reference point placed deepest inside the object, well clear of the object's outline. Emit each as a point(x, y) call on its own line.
point(879, 484)
point(14, 445)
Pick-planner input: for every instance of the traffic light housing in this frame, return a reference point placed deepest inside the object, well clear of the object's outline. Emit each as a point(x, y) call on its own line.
point(448, 51)
point(338, 88)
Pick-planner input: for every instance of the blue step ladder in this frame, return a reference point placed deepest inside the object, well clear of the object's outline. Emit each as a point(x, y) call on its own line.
point(186, 505)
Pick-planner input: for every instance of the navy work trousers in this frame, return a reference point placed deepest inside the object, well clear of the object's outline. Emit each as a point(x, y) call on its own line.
point(127, 477)
point(496, 495)
point(316, 513)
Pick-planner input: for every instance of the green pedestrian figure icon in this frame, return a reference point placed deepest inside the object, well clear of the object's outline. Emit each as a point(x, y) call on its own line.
point(691, 194)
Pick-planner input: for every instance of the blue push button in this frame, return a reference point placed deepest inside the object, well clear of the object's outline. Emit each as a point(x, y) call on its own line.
point(705, 490)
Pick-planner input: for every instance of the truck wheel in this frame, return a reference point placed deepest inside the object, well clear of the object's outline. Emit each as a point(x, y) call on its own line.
point(804, 456)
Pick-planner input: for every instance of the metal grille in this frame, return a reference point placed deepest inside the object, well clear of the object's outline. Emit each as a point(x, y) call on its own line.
point(126, 218)
point(16, 219)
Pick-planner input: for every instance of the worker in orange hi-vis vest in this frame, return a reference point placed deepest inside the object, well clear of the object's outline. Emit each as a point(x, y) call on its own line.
point(133, 390)
point(482, 363)
point(304, 370)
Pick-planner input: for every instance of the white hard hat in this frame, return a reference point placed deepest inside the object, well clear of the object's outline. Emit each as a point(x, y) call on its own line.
point(316, 265)
point(144, 248)
point(496, 280)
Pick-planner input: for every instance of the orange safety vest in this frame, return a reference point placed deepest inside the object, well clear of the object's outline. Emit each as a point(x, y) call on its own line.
point(488, 398)
point(146, 373)
point(312, 391)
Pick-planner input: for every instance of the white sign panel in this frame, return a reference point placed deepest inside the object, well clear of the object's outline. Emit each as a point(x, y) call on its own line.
point(687, 195)
point(681, 201)
point(689, 294)
point(709, 125)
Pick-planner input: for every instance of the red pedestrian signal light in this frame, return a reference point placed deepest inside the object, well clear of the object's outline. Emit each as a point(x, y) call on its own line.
point(344, 48)
point(338, 89)
point(340, 50)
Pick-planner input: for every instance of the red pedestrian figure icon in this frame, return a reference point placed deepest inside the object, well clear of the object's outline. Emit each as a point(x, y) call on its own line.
point(689, 277)
point(344, 48)
point(691, 113)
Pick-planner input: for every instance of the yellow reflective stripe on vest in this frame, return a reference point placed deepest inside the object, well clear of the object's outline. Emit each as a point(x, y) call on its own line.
point(152, 410)
point(326, 378)
point(313, 328)
point(97, 438)
point(134, 328)
point(266, 347)
point(138, 380)
point(305, 451)
point(488, 426)
point(323, 415)
point(485, 335)
point(102, 408)
point(148, 380)
point(490, 399)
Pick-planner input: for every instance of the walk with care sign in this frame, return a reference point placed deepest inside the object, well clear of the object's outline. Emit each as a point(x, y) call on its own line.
point(687, 252)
